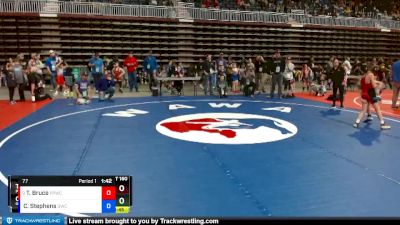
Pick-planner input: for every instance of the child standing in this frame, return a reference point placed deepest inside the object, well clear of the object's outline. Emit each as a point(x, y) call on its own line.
point(235, 78)
point(118, 74)
point(69, 81)
point(222, 85)
point(306, 77)
point(10, 82)
point(60, 77)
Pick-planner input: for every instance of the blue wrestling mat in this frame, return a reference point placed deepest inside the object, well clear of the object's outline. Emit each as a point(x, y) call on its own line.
point(203, 156)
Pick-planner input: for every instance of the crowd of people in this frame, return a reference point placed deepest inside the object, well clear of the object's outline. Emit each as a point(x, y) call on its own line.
point(220, 76)
point(350, 8)
point(347, 8)
point(131, 2)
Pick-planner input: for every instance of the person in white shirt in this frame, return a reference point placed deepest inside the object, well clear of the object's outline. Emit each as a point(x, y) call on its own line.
point(288, 79)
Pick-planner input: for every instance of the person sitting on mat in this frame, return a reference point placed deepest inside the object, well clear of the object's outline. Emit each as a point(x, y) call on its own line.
point(39, 91)
point(368, 97)
point(83, 90)
point(106, 87)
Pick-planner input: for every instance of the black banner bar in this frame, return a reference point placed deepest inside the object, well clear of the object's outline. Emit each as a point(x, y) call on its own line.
point(69, 180)
point(212, 221)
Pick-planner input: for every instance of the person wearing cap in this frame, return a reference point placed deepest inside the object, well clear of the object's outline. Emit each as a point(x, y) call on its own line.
point(97, 68)
point(51, 63)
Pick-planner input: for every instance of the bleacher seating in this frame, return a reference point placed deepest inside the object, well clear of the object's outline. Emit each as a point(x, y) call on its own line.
point(77, 37)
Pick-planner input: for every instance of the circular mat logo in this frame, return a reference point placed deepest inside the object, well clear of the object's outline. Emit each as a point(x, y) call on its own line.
point(226, 128)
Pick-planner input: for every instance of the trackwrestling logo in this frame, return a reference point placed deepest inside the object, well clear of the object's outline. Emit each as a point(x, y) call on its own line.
point(226, 128)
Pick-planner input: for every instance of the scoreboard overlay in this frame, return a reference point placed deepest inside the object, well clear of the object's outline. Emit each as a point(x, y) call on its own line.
point(77, 194)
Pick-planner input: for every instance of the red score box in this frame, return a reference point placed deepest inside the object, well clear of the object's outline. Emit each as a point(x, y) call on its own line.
point(108, 193)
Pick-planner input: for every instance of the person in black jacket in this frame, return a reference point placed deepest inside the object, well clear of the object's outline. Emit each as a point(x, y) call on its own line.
point(106, 87)
point(277, 73)
point(337, 76)
point(208, 70)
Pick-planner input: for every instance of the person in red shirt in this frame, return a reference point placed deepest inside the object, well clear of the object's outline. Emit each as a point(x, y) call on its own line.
point(131, 64)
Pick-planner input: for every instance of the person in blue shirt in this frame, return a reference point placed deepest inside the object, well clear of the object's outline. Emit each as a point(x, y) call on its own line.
point(150, 67)
point(51, 63)
point(106, 87)
point(396, 83)
point(97, 68)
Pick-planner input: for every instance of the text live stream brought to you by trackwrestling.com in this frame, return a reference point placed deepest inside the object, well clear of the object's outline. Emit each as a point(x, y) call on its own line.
point(61, 220)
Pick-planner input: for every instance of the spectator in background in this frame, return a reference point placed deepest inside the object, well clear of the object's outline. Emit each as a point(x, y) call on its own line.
point(69, 80)
point(379, 72)
point(34, 73)
point(288, 78)
point(321, 81)
point(229, 71)
point(221, 63)
point(118, 74)
point(329, 65)
point(11, 82)
point(216, 4)
point(235, 78)
point(150, 67)
point(60, 77)
point(180, 73)
point(395, 83)
point(357, 69)
point(206, 4)
point(153, 2)
point(131, 64)
point(170, 69)
point(110, 65)
point(312, 66)
point(277, 71)
point(51, 63)
point(17, 69)
point(106, 87)
point(337, 76)
point(258, 64)
point(97, 68)
point(208, 70)
point(40, 93)
point(199, 72)
point(83, 90)
point(249, 79)
point(307, 77)
point(265, 76)
point(347, 68)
